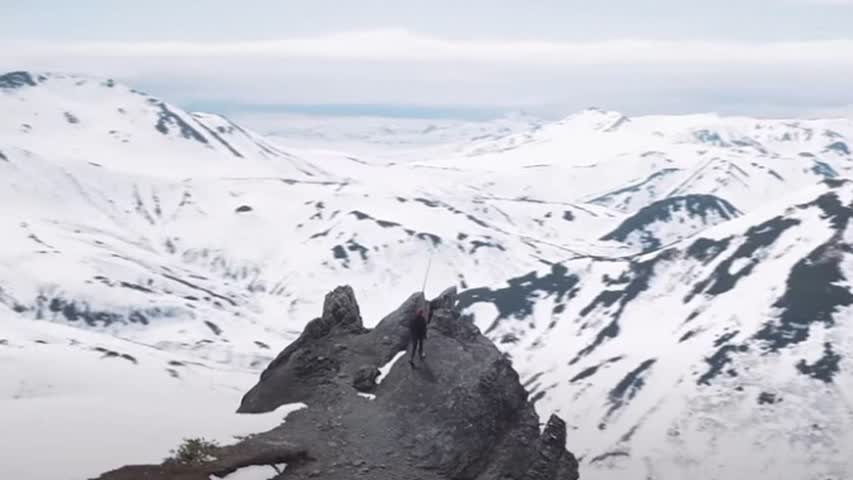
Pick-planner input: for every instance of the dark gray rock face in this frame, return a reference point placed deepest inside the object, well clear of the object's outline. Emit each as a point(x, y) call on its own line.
point(461, 413)
point(365, 379)
point(313, 360)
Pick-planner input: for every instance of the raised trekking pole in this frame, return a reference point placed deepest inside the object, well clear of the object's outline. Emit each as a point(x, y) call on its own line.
point(426, 275)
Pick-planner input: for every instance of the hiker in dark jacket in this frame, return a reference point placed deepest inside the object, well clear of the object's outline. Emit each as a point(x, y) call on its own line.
point(417, 332)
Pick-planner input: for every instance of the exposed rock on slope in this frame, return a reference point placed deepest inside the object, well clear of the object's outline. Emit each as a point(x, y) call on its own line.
point(672, 219)
point(460, 413)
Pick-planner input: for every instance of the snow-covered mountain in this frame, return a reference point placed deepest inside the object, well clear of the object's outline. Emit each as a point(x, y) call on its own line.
point(675, 287)
point(721, 356)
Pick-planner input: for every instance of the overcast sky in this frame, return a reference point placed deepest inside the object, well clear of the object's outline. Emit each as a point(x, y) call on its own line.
point(452, 58)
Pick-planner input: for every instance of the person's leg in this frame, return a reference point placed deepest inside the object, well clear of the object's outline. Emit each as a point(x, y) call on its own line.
point(414, 343)
point(421, 347)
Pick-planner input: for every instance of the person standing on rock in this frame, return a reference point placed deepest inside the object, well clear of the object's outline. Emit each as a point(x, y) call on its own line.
point(417, 332)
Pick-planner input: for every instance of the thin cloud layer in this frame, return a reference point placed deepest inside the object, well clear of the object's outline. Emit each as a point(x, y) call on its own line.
point(401, 45)
point(395, 66)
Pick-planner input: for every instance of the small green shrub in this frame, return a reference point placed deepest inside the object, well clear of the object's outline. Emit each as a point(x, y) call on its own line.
point(194, 451)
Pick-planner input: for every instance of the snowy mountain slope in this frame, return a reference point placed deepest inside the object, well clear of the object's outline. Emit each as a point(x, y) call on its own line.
point(89, 399)
point(217, 252)
point(208, 253)
point(94, 251)
point(105, 122)
point(722, 356)
point(626, 163)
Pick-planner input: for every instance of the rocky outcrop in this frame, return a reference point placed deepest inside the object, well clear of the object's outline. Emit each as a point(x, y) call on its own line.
point(14, 80)
point(671, 219)
point(461, 413)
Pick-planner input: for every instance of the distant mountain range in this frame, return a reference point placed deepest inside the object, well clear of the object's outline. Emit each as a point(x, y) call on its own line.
point(675, 287)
